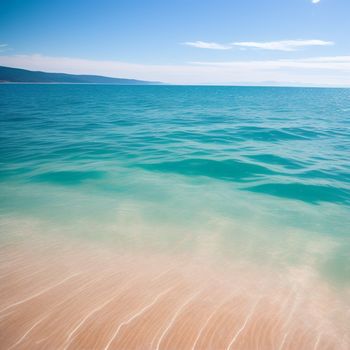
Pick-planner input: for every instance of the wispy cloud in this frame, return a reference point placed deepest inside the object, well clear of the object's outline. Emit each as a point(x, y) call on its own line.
point(282, 45)
point(333, 70)
point(3, 47)
point(334, 63)
point(315, 1)
point(207, 45)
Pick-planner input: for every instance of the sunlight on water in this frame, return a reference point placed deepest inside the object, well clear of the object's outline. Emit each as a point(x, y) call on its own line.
point(212, 183)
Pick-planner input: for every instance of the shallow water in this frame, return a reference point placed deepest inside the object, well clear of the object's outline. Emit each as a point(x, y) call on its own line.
point(229, 175)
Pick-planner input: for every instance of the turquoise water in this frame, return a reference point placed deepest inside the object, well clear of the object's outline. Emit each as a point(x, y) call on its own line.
point(246, 173)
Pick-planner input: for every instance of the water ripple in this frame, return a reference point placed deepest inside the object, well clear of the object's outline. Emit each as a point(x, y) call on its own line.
point(296, 141)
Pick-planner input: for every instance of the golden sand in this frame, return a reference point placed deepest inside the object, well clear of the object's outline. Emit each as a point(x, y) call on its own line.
point(64, 296)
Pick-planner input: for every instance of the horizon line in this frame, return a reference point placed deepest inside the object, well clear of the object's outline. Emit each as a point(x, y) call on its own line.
point(161, 83)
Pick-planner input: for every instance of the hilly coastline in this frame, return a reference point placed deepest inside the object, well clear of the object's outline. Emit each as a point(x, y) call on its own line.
point(17, 75)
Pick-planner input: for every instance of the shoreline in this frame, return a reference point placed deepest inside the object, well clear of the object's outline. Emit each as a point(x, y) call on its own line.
point(71, 295)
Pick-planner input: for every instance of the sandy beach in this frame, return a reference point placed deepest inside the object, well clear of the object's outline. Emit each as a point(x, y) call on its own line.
point(71, 295)
point(174, 175)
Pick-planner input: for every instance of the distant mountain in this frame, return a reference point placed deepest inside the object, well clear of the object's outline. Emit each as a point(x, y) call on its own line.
point(17, 75)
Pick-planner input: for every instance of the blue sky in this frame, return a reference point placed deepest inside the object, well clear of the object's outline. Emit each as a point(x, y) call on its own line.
point(182, 41)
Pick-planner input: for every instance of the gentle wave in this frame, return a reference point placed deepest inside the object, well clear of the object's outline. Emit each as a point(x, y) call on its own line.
point(281, 137)
point(69, 177)
point(232, 170)
point(307, 193)
point(228, 188)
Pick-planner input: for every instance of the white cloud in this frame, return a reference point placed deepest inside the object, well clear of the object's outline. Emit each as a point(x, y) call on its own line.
point(207, 45)
point(332, 63)
point(333, 70)
point(315, 1)
point(3, 47)
point(283, 45)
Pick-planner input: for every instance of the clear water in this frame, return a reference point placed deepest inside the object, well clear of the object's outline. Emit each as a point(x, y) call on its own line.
point(244, 173)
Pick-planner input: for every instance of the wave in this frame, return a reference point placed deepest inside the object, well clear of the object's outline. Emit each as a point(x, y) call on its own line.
point(231, 170)
point(275, 134)
point(307, 193)
point(72, 177)
point(312, 191)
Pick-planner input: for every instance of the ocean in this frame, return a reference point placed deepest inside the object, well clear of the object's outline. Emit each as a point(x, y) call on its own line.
point(255, 178)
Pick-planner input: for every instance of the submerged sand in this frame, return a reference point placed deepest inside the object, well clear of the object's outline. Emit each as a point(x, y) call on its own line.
point(55, 295)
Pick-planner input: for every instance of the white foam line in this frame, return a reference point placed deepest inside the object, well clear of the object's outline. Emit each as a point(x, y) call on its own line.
point(162, 274)
point(317, 341)
point(282, 308)
point(41, 340)
point(174, 319)
point(287, 322)
point(69, 338)
point(68, 342)
point(205, 325)
point(139, 313)
point(71, 296)
point(39, 293)
point(251, 312)
point(50, 312)
point(209, 318)
point(27, 332)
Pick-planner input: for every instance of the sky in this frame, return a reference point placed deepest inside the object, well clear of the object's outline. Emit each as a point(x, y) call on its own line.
point(297, 42)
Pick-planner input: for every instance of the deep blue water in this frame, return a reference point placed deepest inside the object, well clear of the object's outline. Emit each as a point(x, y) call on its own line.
point(259, 166)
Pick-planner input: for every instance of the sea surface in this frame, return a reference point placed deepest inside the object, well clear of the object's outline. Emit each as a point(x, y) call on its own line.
point(174, 217)
point(244, 173)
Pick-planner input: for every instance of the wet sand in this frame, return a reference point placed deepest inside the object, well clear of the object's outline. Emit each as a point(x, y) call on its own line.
point(60, 295)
